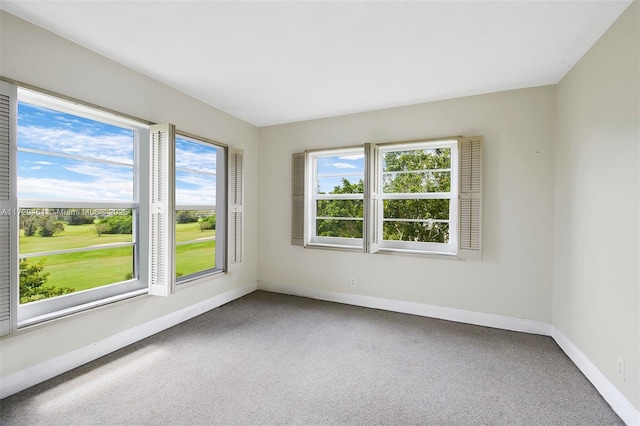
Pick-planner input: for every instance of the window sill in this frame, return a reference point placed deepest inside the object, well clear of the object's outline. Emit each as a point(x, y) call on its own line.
point(419, 253)
point(63, 313)
point(41, 320)
point(199, 278)
point(337, 247)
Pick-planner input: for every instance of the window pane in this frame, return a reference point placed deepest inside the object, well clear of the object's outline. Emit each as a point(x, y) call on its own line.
point(428, 232)
point(414, 160)
point(195, 241)
point(195, 189)
point(416, 209)
point(341, 174)
point(195, 172)
point(341, 184)
point(46, 177)
point(340, 208)
point(196, 184)
point(43, 230)
point(55, 275)
point(47, 230)
point(54, 131)
point(195, 257)
point(339, 228)
point(195, 156)
point(416, 182)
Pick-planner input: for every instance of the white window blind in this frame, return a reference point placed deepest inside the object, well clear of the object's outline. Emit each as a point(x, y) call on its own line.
point(236, 205)
point(162, 276)
point(8, 209)
point(470, 233)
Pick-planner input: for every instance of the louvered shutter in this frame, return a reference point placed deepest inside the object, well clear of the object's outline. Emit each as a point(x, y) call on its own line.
point(162, 276)
point(298, 163)
point(8, 209)
point(236, 205)
point(373, 188)
point(470, 202)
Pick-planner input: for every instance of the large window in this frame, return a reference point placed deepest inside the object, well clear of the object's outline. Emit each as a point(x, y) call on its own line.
point(96, 207)
point(78, 204)
point(421, 196)
point(197, 187)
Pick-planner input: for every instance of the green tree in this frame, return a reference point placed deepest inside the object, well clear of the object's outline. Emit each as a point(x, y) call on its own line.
point(186, 216)
point(33, 282)
point(208, 222)
point(417, 171)
point(76, 218)
point(28, 223)
point(101, 228)
point(405, 172)
point(116, 224)
point(50, 226)
point(342, 209)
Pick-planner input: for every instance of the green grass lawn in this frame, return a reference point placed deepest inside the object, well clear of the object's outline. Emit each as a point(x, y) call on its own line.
point(94, 268)
point(191, 258)
point(191, 231)
point(73, 236)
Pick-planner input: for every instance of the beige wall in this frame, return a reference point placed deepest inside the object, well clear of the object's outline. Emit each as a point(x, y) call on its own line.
point(37, 57)
point(514, 277)
point(596, 296)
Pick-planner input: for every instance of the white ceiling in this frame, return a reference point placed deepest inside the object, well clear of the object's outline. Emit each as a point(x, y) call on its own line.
point(271, 62)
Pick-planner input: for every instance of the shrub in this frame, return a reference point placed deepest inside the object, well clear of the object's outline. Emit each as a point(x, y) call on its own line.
point(185, 216)
point(207, 223)
point(49, 226)
point(117, 224)
point(33, 282)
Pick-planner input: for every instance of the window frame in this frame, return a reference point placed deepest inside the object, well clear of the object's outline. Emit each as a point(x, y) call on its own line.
point(313, 197)
point(465, 199)
point(42, 310)
point(450, 248)
point(154, 251)
point(221, 189)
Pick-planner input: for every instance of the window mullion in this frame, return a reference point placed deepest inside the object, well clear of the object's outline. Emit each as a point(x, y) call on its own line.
point(418, 196)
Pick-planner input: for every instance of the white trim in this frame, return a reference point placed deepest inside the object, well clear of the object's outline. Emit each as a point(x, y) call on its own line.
point(23, 379)
point(56, 102)
point(432, 311)
point(622, 406)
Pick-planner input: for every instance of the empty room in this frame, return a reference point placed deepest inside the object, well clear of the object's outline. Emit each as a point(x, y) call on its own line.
point(310, 212)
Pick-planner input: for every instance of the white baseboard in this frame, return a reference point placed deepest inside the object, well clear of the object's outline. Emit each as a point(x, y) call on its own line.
point(432, 311)
point(38, 373)
point(623, 408)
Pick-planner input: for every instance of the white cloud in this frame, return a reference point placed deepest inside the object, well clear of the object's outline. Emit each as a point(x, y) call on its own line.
point(343, 166)
point(199, 180)
point(195, 196)
point(111, 147)
point(60, 189)
point(196, 160)
point(203, 193)
point(352, 157)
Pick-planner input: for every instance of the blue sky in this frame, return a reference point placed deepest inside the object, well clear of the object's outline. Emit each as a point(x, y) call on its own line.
point(52, 177)
point(331, 170)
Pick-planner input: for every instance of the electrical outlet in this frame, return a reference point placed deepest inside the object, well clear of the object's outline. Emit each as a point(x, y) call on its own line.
point(353, 282)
